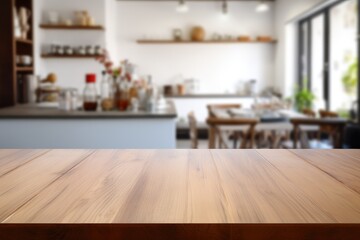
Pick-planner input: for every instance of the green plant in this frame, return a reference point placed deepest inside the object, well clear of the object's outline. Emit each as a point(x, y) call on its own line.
point(350, 78)
point(303, 97)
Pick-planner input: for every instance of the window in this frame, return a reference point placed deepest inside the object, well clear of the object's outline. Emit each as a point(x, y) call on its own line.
point(329, 51)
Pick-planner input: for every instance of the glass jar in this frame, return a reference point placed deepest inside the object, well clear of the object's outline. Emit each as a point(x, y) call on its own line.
point(123, 95)
point(107, 101)
point(90, 94)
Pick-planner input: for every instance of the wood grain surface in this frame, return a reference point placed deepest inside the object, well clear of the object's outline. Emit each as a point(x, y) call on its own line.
point(180, 187)
point(344, 166)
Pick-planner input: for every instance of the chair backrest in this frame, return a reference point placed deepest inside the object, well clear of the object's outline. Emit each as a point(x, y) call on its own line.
point(221, 106)
point(328, 129)
point(308, 112)
point(328, 114)
point(193, 131)
point(215, 122)
point(337, 124)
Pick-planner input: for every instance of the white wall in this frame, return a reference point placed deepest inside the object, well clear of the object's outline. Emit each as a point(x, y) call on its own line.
point(285, 11)
point(71, 72)
point(218, 67)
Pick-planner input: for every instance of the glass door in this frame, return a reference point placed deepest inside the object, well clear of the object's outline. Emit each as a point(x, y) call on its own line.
point(328, 56)
point(343, 56)
point(317, 61)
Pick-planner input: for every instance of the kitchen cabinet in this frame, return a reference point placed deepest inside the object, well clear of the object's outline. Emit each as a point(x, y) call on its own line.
point(33, 127)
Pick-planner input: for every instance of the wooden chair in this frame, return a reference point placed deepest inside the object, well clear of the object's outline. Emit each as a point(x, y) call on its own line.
point(328, 130)
point(212, 107)
point(193, 131)
point(223, 136)
point(337, 124)
point(249, 137)
point(308, 112)
point(328, 114)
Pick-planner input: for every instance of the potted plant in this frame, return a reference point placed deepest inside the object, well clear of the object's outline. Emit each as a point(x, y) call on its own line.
point(350, 78)
point(303, 97)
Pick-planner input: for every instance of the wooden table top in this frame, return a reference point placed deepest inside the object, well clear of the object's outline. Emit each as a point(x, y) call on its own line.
point(180, 186)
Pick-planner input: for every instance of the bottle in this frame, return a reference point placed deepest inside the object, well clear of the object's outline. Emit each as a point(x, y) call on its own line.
point(124, 95)
point(107, 102)
point(90, 94)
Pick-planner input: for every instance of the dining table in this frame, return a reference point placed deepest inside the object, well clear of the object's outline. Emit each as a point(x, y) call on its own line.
point(179, 194)
point(275, 122)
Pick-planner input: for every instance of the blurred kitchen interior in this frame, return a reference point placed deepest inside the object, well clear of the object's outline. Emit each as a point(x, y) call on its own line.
point(179, 74)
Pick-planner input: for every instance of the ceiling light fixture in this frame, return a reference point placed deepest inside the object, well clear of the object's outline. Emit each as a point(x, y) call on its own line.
point(182, 7)
point(263, 6)
point(225, 8)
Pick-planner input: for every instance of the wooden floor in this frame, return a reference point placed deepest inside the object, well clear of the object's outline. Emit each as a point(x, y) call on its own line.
point(164, 193)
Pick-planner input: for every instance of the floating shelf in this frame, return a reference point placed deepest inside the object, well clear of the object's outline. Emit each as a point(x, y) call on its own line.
point(24, 69)
point(73, 27)
point(69, 56)
point(25, 41)
point(203, 42)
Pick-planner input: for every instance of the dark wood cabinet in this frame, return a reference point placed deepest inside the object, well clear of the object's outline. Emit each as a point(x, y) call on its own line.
point(12, 74)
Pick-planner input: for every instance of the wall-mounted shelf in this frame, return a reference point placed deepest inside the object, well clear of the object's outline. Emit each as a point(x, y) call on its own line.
point(203, 42)
point(69, 56)
point(24, 41)
point(24, 69)
point(73, 27)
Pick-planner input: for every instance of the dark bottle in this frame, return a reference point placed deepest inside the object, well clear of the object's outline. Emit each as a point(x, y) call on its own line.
point(90, 94)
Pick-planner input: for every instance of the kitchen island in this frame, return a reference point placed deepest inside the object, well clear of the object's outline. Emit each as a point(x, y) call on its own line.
point(179, 194)
point(31, 126)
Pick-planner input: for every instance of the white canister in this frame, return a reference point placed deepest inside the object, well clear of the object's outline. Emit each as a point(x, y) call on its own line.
point(31, 83)
point(53, 17)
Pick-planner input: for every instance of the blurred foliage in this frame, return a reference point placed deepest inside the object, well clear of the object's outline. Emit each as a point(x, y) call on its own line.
point(303, 97)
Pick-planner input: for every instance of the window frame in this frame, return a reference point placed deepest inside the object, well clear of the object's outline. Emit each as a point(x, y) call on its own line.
point(308, 20)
